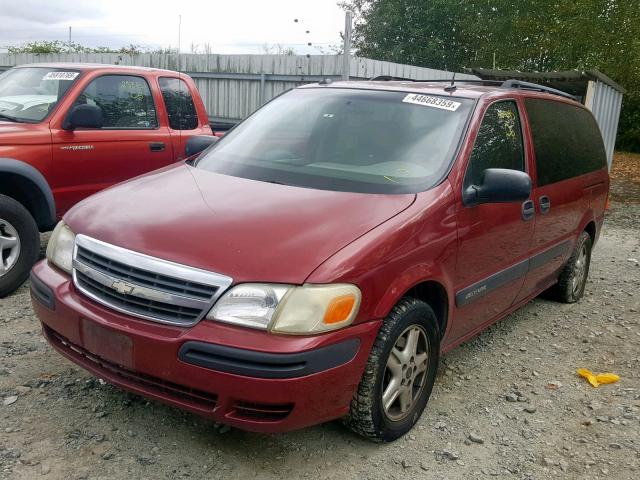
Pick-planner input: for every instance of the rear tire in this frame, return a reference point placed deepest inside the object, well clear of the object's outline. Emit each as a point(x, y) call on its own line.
point(19, 244)
point(398, 378)
point(573, 278)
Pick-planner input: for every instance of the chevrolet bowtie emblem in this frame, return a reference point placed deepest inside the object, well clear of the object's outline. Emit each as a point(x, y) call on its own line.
point(122, 287)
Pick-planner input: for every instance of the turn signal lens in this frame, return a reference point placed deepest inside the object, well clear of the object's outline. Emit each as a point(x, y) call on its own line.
point(339, 309)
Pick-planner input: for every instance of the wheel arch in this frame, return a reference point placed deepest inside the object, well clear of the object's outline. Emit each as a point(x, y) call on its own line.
point(591, 229)
point(588, 223)
point(434, 294)
point(430, 290)
point(28, 186)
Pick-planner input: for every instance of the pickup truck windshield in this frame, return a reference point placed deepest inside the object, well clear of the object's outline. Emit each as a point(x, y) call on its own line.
point(351, 140)
point(29, 94)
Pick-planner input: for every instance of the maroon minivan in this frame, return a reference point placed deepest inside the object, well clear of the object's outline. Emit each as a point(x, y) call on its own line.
point(315, 262)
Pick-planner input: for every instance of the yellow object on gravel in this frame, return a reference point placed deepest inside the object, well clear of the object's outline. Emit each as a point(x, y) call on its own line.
point(599, 379)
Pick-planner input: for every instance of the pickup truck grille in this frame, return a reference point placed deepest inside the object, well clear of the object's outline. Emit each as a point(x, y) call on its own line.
point(143, 286)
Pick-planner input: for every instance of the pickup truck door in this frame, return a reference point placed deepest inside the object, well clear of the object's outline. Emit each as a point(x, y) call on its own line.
point(134, 139)
point(493, 238)
point(185, 111)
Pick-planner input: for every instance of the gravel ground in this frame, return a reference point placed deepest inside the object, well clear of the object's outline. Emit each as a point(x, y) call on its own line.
point(507, 404)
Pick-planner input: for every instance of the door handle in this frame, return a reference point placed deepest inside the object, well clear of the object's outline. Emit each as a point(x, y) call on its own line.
point(528, 210)
point(156, 146)
point(545, 204)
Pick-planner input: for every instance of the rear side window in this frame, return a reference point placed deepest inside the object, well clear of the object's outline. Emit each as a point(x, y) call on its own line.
point(498, 144)
point(125, 101)
point(180, 107)
point(566, 138)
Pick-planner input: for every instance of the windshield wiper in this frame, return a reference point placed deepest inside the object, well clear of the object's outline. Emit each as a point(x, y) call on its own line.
point(11, 119)
point(275, 182)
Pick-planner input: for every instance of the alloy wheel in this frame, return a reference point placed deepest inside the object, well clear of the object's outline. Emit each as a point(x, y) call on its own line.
point(9, 247)
point(404, 376)
point(580, 273)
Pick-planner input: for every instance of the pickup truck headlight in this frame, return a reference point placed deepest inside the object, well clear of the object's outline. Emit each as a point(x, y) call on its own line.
point(297, 310)
point(60, 247)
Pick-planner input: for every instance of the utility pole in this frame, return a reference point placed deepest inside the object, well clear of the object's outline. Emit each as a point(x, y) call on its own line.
point(346, 58)
point(69, 36)
point(179, 40)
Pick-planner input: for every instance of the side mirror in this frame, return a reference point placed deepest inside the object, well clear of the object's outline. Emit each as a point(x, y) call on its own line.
point(198, 143)
point(83, 116)
point(499, 185)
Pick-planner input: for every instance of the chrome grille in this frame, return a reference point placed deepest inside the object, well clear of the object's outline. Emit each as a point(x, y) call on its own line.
point(144, 286)
point(144, 278)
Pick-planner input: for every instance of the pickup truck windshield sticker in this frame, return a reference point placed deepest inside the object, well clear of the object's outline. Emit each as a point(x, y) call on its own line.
point(60, 76)
point(508, 120)
point(435, 102)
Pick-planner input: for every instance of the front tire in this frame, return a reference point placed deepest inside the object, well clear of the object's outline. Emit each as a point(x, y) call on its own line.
point(399, 374)
point(573, 278)
point(19, 244)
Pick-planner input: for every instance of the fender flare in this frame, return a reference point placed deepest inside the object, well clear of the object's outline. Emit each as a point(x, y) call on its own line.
point(40, 201)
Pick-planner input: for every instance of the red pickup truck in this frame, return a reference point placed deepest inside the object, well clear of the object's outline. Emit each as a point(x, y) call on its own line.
point(70, 130)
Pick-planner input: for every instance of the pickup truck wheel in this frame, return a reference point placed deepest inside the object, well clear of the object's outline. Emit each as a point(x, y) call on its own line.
point(19, 244)
point(573, 278)
point(399, 374)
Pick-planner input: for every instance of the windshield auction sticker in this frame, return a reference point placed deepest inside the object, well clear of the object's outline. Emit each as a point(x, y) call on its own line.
point(60, 76)
point(434, 102)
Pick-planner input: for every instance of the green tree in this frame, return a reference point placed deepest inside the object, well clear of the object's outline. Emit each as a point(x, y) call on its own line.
point(539, 35)
point(58, 46)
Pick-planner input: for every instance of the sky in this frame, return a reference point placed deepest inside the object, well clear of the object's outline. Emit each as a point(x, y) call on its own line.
point(231, 26)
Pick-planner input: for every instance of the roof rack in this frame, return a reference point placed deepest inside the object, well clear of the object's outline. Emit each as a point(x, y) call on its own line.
point(389, 78)
point(535, 86)
point(503, 84)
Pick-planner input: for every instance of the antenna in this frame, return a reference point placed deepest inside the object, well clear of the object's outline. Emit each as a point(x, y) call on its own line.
point(178, 50)
point(452, 87)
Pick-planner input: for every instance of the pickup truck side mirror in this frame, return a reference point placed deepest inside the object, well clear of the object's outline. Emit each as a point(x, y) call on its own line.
point(83, 116)
point(499, 185)
point(198, 143)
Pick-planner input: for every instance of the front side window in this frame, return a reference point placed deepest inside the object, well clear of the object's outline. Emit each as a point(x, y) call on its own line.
point(180, 107)
point(28, 94)
point(498, 144)
point(345, 140)
point(125, 100)
point(566, 138)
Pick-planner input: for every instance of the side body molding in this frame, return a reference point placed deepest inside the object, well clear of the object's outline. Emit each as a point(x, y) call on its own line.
point(509, 274)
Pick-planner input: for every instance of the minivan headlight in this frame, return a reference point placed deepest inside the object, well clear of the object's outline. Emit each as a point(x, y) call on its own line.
point(297, 310)
point(60, 247)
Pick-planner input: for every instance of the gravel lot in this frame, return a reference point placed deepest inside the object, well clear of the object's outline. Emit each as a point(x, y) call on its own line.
point(507, 404)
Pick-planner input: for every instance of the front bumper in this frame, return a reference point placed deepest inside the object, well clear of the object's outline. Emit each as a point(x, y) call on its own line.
point(246, 378)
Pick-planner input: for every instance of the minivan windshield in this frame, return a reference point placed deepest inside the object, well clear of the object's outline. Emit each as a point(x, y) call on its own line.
point(28, 94)
point(344, 139)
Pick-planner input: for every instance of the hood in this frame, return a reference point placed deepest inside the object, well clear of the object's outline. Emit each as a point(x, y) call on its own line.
point(246, 229)
point(15, 133)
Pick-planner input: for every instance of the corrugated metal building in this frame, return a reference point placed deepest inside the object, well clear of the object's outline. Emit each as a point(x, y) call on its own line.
point(233, 86)
point(594, 89)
